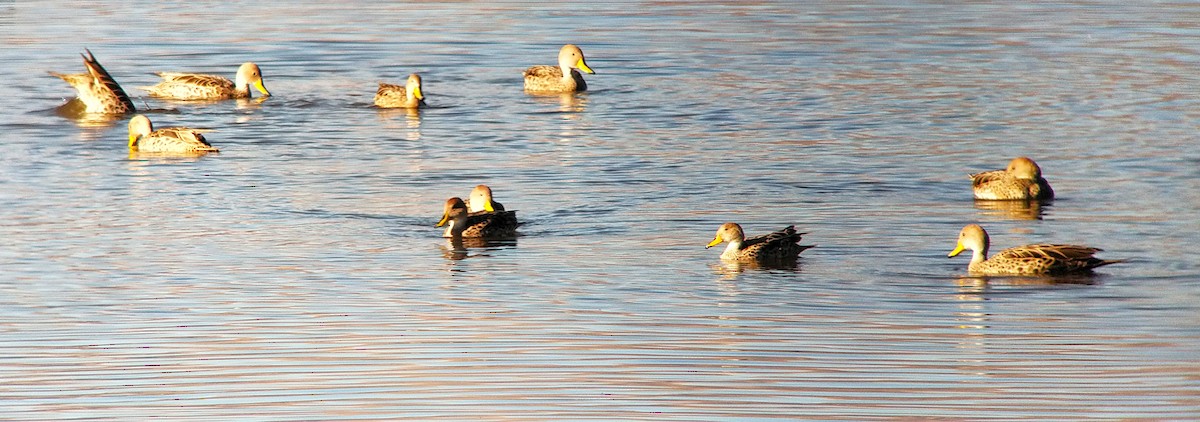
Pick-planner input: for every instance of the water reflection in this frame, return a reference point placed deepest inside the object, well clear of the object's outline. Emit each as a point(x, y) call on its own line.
point(412, 120)
point(972, 319)
point(456, 249)
point(250, 103)
point(76, 111)
point(235, 311)
point(729, 270)
point(982, 283)
point(141, 157)
point(569, 104)
point(1016, 210)
point(571, 107)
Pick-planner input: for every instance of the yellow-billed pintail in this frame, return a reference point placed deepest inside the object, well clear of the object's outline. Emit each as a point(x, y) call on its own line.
point(561, 78)
point(1021, 180)
point(775, 247)
point(396, 96)
point(144, 138)
point(195, 86)
point(97, 90)
point(1037, 259)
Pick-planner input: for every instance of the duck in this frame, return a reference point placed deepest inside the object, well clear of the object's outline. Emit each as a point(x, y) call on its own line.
point(1022, 180)
point(1035, 260)
point(97, 90)
point(481, 200)
point(561, 78)
point(195, 86)
point(779, 246)
point(464, 224)
point(396, 96)
point(144, 138)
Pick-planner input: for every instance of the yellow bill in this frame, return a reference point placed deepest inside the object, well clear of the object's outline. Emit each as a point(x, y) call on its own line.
point(261, 88)
point(957, 250)
point(583, 66)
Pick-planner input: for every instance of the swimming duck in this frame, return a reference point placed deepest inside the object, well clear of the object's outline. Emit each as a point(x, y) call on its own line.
point(97, 89)
point(1039, 259)
point(779, 246)
point(143, 138)
point(396, 96)
point(561, 78)
point(499, 224)
point(1021, 180)
point(194, 86)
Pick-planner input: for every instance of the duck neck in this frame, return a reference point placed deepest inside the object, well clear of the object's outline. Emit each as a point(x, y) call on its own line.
point(978, 256)
point(241, 87)
point(456, 227)
point(731, 250)
point(568, 78)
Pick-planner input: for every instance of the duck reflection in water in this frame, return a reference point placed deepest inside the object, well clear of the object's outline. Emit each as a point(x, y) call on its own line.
point(569, 105)
point(1015, 209)
point(410, 117)
point(76, 111)
point(459, 248)
point(729, 270)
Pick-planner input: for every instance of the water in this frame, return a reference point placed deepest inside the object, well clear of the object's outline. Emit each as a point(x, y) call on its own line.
point(296, 274)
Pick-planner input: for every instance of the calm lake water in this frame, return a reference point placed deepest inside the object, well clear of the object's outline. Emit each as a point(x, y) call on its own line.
point(297, 275)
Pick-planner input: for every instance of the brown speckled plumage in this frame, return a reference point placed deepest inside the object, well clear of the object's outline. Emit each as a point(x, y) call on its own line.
point(1036, 259)
point(396, 96)
point(195, 86)
point(144, 138)
point(97, 90)
point(1021, 180)
point(498, 224)
point(775, 247)
point(561, 78)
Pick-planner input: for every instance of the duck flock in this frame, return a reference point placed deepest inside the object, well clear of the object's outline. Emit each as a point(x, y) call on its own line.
point(481, 217)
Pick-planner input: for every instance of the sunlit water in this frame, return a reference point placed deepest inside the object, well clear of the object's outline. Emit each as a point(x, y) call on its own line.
point(297, 275)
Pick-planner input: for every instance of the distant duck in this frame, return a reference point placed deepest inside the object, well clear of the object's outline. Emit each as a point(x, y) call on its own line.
point(1038, 259)
point(143, 138)
point(396, 96)
point(561, 78)
point(776, 247)
point(462, 223)
point(194, 86)
point(97, 89)
point(1021, 180)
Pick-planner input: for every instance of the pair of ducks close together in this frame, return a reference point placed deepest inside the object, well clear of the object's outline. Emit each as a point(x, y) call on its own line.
point(1021, 181)
point(101, 94)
